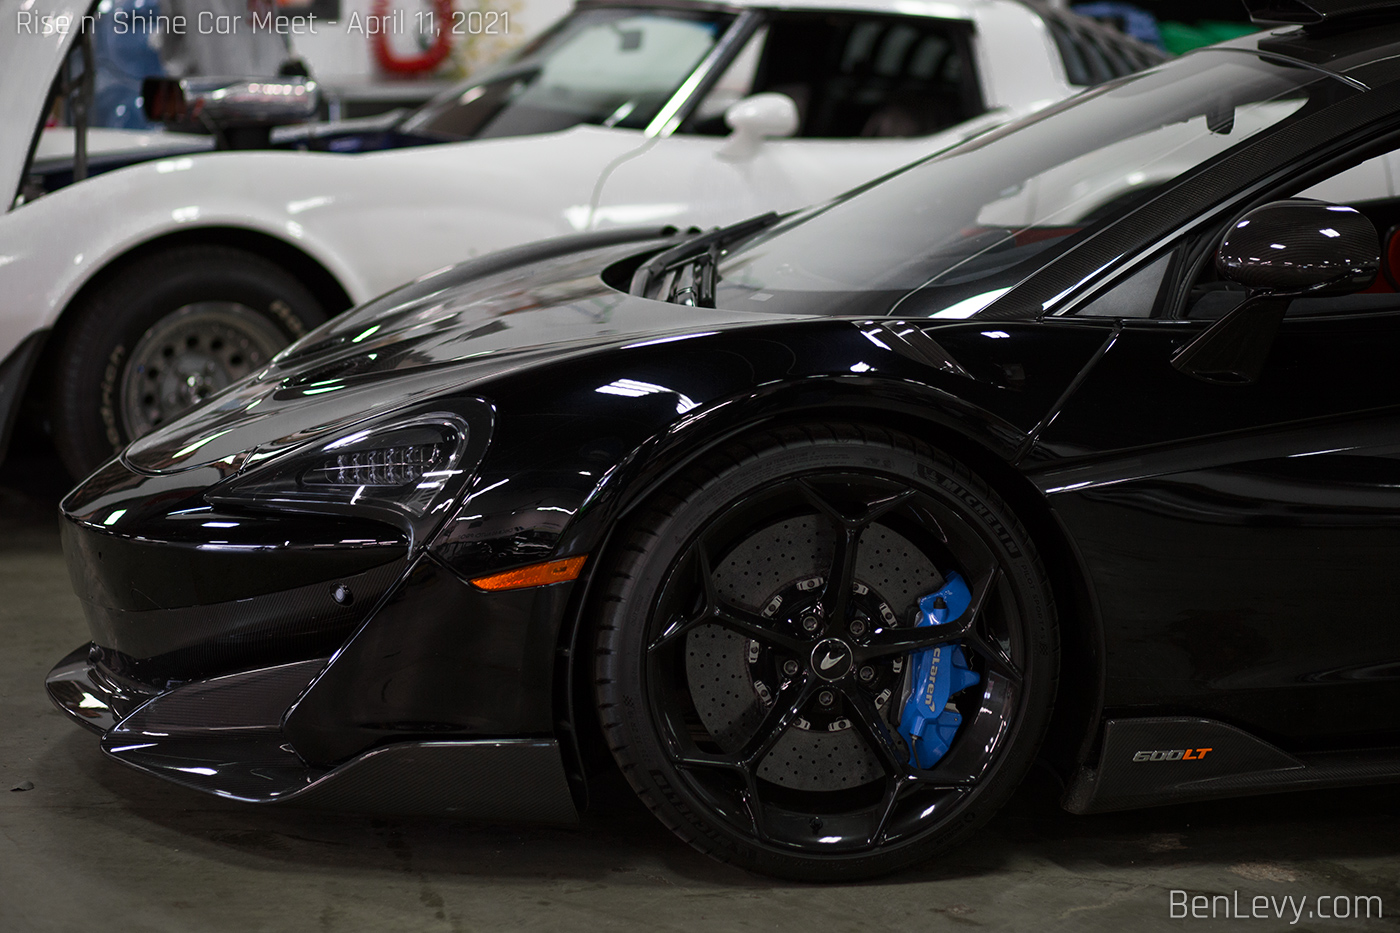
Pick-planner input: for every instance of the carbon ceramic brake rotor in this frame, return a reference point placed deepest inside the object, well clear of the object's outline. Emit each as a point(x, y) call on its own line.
point(721, 665)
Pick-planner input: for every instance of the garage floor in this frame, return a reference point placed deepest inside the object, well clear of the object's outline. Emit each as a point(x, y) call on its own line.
point(93, 846)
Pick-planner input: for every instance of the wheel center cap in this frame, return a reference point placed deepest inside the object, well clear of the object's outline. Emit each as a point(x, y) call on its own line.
point(832, 659)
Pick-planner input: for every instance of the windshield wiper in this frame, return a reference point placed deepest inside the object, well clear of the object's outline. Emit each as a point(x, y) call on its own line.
point(701, 251)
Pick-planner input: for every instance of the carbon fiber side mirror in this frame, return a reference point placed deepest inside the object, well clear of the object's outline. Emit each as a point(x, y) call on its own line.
point(1301, 244)
point(1280, 251)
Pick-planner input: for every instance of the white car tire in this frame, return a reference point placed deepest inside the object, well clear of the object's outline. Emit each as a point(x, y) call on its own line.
point(162, 334)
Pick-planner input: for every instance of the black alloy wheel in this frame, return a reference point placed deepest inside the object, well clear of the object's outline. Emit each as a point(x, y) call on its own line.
point(757, 644)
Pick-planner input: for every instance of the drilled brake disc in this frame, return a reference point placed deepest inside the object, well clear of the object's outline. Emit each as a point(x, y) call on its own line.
point(730, 680)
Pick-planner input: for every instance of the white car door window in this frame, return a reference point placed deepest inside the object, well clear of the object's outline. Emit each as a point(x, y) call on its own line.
point(872, 93)
point(852, 76)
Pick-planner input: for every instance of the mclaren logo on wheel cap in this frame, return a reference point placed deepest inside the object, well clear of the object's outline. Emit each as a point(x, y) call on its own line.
point(831, 659)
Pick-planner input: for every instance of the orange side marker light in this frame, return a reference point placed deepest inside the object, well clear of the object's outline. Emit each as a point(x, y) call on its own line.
point(553, 571)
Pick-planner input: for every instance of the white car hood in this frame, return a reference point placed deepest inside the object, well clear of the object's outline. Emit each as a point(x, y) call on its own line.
point(28, 62)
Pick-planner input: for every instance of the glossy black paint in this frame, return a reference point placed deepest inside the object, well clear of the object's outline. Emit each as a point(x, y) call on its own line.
point(91, 693)
point(1221, 551)
point(566, 463)
point(1235, 348)
point(197, 556)
point(174, 589)
point(441, 657)
point(1225, 527)
point(1284, 250)
point(1152, 761)
point(159, 646)
point(1300, 244)
point(223, 736)
point(1316, 12)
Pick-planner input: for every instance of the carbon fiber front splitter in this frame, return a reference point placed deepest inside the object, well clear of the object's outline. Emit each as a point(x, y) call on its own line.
point(223, 736)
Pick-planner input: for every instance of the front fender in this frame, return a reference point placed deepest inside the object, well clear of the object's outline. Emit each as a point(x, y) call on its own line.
point(580, 442)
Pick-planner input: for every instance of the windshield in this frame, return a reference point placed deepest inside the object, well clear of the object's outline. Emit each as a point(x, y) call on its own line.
point(605, 67)
point(948, 235)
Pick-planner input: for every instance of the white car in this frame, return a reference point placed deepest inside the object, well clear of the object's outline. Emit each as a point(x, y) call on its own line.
point(139, 291)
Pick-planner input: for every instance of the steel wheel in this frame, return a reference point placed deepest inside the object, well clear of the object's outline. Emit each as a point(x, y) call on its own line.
point(777, 652)
point(159, 334)
point(188, 356)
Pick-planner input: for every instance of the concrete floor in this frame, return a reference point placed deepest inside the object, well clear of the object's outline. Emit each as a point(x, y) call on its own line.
point(94, 846)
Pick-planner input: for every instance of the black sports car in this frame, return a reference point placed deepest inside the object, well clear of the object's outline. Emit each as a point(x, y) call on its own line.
point(812, 521)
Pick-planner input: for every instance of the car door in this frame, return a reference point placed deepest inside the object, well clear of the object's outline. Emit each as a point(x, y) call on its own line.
point(872, 93)
point(1242, 540)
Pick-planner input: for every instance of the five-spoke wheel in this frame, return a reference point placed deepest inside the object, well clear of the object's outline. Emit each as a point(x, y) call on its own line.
point(757, 647)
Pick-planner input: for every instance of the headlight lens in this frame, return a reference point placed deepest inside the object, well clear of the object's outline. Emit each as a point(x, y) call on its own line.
point(407, 470)
point(411, 459)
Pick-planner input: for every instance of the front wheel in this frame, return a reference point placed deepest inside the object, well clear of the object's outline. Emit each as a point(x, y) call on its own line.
point(826, 653)
point(163, 334)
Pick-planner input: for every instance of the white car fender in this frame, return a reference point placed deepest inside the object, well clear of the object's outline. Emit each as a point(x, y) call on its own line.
point(373, 221)
point(56, 245)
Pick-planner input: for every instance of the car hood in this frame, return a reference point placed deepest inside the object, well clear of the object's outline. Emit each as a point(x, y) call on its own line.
point(443, 333)
point(28, 63)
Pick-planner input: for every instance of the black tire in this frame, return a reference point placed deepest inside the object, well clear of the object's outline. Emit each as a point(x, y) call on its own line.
point(236, 296)
point(679, 710)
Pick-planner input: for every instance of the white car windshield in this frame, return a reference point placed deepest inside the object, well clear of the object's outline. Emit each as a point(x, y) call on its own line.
point(963, 227)
point(600, 66)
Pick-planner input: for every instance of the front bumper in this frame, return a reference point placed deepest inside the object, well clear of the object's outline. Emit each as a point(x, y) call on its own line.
point(93, 694)
point(224, 736)
point(281, 657)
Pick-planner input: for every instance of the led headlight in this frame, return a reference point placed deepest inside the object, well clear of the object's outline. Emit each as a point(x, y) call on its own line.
point(418, 454)
point(407, 469)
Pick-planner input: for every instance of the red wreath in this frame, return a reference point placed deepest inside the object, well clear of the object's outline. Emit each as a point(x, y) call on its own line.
point(427, 60)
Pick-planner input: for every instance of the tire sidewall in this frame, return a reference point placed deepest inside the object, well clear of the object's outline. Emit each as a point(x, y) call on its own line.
point(88, 420)
point(944, 482)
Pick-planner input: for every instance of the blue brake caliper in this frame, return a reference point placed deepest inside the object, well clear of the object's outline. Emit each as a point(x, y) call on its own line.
point(929, 722)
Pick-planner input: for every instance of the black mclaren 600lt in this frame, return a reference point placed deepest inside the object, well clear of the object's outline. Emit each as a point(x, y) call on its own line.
point(1078, 441)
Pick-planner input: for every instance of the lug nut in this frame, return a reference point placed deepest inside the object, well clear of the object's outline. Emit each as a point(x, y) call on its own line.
point(858, 627)
point(810, 623)
point(826, 698)
point(790, 667)
point(867, 673)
